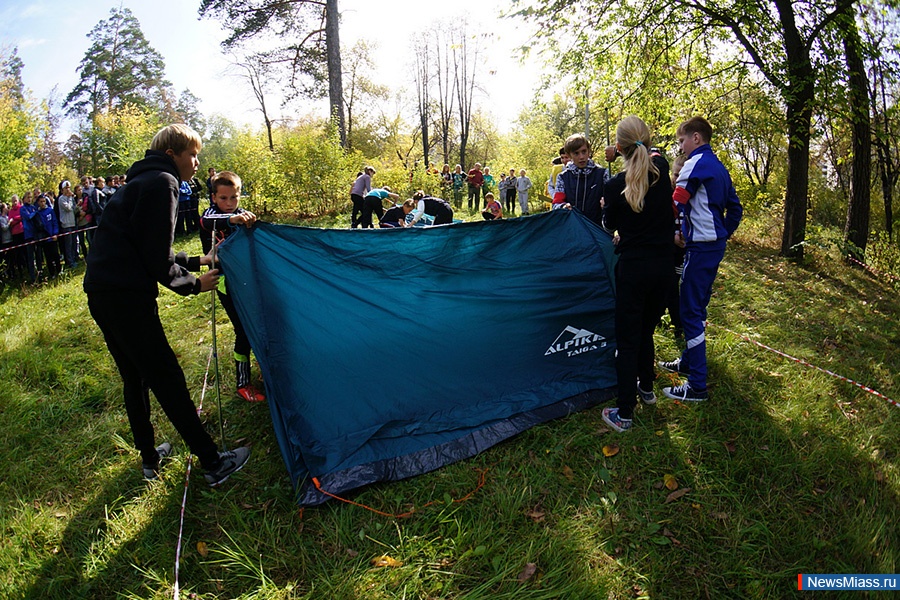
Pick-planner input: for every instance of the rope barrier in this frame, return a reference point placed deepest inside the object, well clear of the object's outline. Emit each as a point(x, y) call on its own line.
point(187, 480)
point(47, 239)
point(807, 364)
point(873, 270)
point(482, 475)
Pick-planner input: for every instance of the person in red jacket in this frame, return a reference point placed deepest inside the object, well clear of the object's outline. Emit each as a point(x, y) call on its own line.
point(475, 180)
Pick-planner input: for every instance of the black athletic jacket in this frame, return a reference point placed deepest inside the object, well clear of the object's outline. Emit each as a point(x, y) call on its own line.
point(132, 247)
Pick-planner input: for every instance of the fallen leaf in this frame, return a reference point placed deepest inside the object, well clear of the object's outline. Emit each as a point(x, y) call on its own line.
point(527, 573)
point(670, 482)
point(719, 516)
point(386, 561)
point(730, 446)
point(610, 450)
point(568, 472)
point(202, 549)
point(676, 495)
point(536, 514)
point(352, 553)
point(763, 447)
point(658, 485)
point(671, 536)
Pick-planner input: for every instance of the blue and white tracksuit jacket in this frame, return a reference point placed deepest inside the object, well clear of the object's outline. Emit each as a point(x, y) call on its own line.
point(705, 195)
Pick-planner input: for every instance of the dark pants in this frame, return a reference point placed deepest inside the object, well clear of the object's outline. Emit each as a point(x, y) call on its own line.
point(192, 217)
point(241, 341)
point(34, 258)
point(673, 300)
point(357, 210)
point(183, 209)
point(444, 215)
point(371, 204)
point(640, 300)
point(137, 342)
point(511, 201)
point(67, 242)
point(474, 196)
point(50, 250)
point(82, 242)
point(700, 268)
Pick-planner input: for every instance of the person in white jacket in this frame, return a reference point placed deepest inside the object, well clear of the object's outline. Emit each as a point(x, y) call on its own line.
point(523, 184)
point(66, 203)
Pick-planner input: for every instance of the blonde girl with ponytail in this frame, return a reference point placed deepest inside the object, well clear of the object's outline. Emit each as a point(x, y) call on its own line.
point(633, 143)
point(638, 205)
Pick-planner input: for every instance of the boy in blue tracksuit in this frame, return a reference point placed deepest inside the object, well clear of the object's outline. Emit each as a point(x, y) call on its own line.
point(711, 210)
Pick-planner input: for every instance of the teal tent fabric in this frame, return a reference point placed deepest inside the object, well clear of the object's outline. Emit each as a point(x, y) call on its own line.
point(388, 353)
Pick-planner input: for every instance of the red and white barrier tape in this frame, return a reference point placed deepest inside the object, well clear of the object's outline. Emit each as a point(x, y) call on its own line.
point(804, 363)
point(47, 239)
point(187, 480)
point(873, 270)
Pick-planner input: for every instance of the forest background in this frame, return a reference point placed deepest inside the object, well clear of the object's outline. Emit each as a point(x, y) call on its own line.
point(802, 97)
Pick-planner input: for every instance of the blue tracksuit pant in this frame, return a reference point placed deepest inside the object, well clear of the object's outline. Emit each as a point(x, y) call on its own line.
point(700, 268)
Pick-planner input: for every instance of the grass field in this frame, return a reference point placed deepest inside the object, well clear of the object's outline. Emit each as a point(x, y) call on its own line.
point(785, 470)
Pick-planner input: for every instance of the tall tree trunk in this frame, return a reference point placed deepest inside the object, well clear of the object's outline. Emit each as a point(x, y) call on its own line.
point(798, 95)
point(799, 117)
point(333, 50)
point(856, 229)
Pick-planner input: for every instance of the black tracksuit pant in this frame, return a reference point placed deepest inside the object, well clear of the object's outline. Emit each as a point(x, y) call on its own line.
point(136, 339)
point(641, 286)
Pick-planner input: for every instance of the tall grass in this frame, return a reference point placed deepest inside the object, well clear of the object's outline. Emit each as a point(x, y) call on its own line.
point(789, 470)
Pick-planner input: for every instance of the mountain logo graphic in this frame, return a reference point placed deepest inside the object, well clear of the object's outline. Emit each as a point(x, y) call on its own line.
point(574, 341)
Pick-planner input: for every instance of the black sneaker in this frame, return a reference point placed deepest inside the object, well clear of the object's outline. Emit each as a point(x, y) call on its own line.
point(151, 472)
point(229, 462)
point(685, 393)
point(673, 366)
point(646, 397)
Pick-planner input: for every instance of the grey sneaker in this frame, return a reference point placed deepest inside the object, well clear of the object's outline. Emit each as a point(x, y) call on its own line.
point(646, 397)
point(151, 472)
point(229, 462)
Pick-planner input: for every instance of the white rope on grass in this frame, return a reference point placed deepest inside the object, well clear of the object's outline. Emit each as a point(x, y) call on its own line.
point(187, 480)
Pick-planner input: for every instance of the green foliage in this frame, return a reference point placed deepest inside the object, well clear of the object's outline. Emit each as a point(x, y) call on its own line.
point(117, 138)
point(308, 174)
point(17, 138)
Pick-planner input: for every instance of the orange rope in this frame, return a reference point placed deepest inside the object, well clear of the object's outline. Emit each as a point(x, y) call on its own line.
point(482, 474)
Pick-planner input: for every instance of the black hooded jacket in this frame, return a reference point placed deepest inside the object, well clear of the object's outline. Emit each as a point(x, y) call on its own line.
point(132, 247)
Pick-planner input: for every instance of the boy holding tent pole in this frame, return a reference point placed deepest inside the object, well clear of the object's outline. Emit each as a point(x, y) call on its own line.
point(130, 255)
point(221, 220)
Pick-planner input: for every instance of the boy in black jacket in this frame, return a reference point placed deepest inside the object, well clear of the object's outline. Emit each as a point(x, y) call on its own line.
point(131, 254)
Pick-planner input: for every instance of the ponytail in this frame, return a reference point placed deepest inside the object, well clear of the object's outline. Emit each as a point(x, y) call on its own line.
point(633, 138)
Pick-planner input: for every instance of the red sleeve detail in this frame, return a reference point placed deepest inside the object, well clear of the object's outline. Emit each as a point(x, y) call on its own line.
point(681, 195)
point(559, 198)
